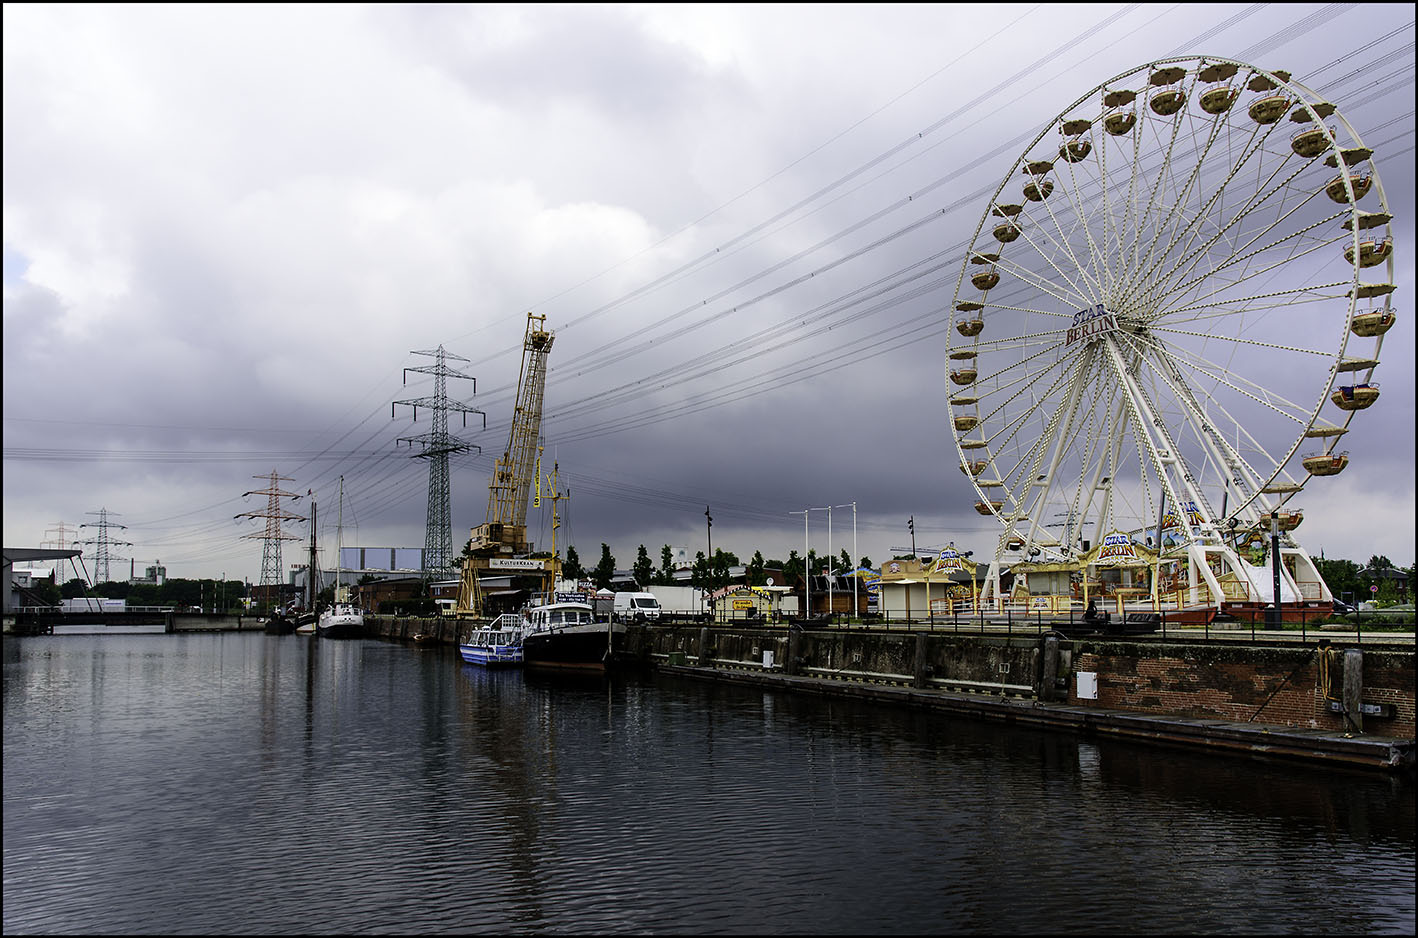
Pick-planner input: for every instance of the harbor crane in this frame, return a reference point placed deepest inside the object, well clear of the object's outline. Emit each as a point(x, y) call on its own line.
point(499, 546)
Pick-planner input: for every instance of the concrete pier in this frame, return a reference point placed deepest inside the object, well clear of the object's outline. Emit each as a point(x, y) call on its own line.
point(1256, 740)
point(1300, 700)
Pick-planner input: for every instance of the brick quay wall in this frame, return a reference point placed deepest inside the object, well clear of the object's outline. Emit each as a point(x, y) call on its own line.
point(1321, 685)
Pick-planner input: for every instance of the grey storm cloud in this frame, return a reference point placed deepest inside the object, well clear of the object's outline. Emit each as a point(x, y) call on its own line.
point(229, 229)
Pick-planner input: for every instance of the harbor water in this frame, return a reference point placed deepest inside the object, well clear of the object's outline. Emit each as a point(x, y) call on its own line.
point(240, 783)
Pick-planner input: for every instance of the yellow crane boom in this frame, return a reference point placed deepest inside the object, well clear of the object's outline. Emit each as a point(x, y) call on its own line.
point(504, 534)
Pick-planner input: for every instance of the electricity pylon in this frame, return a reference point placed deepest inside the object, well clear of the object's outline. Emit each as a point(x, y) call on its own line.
point(66, 538)
point(438, 561)
point(102, 544)
point(273, 535)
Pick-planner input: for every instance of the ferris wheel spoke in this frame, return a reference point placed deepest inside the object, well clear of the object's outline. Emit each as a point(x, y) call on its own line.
point(1239, 340)
point(1154, 204)
point(1096, 244)
point(1252, 148)
point(1202, 420)
point(1223, 377)
point(1032, 279)
point(1234, 305)
point(1197, 253)
point(1216, 297)
point(1173, 213)
point(1272, 256)
point(1007, 397)
point(1013, 413)
point(1240, 253)
point(1080, 296)
point(1063, 239)
point(1230, 463)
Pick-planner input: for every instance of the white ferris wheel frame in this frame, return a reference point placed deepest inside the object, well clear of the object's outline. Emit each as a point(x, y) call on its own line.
point(1261, 486)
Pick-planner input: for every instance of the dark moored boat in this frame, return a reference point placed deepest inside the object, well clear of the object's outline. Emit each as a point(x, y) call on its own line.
point(288, 622)
point(566, 635)
point(280, 624)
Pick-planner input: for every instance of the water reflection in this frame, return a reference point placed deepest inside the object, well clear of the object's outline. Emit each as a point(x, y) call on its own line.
point(243, 783)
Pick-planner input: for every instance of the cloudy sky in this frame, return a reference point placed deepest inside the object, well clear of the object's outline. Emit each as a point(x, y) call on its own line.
point(228, 230)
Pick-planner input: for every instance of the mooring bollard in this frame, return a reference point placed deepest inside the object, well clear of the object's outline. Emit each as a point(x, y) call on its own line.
point(1354, 688)
point(706, 651)
point(1050, 669)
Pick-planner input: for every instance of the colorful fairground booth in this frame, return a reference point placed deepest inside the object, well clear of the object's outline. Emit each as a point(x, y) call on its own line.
point(919, 587)
point(740, 603)
point(1185, 577)
point(1116, 574)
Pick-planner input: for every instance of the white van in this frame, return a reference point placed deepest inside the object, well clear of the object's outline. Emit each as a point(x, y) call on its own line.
point(636, 607)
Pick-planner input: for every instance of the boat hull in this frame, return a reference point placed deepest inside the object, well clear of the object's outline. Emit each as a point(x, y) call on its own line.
point(341, 625)
point(577, 648)
point(492, 656)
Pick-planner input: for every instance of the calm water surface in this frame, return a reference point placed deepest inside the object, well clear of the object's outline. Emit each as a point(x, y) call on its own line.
point(241, 783)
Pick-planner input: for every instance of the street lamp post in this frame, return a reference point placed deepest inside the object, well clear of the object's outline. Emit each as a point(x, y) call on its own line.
point(1275, 618)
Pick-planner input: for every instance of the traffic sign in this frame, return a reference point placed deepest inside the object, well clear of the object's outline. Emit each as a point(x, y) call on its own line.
point(1373, 587)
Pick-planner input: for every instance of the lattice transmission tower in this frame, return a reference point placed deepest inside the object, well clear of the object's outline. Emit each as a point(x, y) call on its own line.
point(273, 535)
point(103, 544)
point(66, 537)
point(438, 560)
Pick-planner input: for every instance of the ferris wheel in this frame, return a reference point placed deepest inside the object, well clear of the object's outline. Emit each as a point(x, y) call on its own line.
point(1170, 311)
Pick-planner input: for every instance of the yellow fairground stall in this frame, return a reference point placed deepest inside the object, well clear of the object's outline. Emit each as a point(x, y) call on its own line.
point(1118, 575)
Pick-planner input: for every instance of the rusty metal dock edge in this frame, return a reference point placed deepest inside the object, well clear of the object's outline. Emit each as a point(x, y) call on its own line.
point(1221, 736)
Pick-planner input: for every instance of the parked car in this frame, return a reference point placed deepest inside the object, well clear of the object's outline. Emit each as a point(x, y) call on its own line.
point(1342, 608)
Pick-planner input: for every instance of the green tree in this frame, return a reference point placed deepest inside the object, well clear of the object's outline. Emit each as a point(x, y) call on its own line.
point(755, 575)
point(112, 590)
point(667, 565)
point(865, 563)
point(643, 569)
point(718, 568)
point(699, 574)
point(572, 569)
point(814, 563)
point(73, 589)
point(844, 563)
point(793, 568)
point(1342, 577)
point(605, 570)
point(1380, 562)
point(47, 592)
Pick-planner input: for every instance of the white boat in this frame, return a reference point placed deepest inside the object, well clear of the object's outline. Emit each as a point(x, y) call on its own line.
point(341, 619)
point(565, 634)
point(497, 645)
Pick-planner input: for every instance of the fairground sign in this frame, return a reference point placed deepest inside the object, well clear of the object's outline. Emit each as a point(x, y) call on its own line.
point(1090, 322)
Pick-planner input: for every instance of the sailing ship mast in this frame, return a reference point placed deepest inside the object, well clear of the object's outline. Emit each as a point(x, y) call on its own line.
point(312, 581)
point(340, 544)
